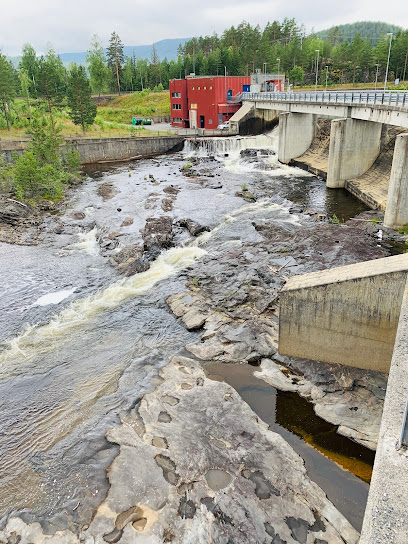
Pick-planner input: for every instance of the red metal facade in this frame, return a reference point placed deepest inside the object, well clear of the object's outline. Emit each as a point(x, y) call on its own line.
point(203, 100)
point(178, 102)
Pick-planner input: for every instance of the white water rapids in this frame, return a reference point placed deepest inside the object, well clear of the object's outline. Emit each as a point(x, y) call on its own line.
point(65, 377)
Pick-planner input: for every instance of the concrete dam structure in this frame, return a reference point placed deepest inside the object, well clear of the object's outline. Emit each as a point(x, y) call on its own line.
point(356, 135)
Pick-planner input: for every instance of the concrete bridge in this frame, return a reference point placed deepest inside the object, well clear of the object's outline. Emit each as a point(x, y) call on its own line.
point(355, 136)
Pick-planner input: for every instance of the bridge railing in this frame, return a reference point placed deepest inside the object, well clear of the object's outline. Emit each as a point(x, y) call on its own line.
point(388, 98)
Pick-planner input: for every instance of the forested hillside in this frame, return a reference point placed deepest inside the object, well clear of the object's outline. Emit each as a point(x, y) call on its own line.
point(367, 29)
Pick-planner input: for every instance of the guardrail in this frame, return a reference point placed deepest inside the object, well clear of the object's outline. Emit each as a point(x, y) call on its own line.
point(386, 98)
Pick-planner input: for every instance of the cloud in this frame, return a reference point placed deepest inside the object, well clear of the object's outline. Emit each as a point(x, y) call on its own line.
point(69, 26)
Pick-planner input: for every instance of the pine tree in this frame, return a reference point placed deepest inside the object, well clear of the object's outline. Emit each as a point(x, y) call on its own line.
point(115, 57)
point(7, 86)
point(98, 70)
point(82, 109)
point(154, 67)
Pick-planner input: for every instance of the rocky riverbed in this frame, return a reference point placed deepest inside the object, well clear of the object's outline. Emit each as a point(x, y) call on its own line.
point(195, 463)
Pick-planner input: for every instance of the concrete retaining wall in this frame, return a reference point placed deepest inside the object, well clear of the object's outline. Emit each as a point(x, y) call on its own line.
point(115, 149)
point(346, 315)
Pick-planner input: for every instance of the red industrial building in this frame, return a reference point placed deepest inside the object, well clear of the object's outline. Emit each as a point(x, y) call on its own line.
point(207, 101)
point(201, 101)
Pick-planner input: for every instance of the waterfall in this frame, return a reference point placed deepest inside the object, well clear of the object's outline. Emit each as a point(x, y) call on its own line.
point(220, 147)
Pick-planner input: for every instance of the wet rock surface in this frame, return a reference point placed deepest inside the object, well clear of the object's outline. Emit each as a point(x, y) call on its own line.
point(269, 491)
point(18, 222)
point(233, 296)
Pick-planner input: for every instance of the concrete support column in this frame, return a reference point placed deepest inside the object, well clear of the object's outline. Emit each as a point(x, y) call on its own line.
point(296, 133)
point(354, 146)
point(396, 212)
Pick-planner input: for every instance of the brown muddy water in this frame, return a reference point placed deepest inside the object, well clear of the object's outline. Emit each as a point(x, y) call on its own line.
point(340, 466)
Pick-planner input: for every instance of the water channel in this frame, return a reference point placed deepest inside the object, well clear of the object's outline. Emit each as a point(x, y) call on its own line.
point(79, 343)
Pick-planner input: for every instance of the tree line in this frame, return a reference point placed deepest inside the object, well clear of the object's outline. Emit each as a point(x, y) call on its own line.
point(283, 46)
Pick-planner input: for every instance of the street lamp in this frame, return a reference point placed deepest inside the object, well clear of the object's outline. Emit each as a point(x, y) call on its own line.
point(327, 74)
point(278, 72)
point(317, 67)
point(376, 77)
point(388, 61)
point(264, 65)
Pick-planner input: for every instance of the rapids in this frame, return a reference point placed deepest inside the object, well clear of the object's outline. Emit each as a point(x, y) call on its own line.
point(80, 344)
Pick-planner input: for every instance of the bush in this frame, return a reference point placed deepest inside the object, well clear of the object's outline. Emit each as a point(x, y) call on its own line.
point(40, 172)
point(72, 161)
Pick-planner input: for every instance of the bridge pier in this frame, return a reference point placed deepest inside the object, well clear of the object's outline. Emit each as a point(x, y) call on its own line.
point(296, 133)
point(396, 211)
point(354, 146)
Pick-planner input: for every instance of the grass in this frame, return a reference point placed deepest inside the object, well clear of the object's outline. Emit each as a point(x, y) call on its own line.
point(122, 108)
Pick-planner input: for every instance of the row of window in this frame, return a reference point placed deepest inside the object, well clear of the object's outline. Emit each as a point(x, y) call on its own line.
point(204, 88)
point(176, 106)
point(176, 95)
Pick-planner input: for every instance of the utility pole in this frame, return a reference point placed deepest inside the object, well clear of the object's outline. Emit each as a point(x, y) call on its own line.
point(327, 74)
point(388, 61)
point(278, 73)
point(317, 67)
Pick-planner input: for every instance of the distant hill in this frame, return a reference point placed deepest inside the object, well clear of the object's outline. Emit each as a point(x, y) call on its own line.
point(165, 49)
point(368, 29)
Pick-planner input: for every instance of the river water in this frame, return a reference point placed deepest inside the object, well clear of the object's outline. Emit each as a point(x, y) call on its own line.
point(80, 344)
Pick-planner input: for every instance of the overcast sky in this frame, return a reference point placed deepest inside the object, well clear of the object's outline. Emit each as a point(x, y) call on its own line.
point(69, 24)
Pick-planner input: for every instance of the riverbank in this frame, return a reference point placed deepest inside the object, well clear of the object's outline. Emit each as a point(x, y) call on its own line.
point(194, 461)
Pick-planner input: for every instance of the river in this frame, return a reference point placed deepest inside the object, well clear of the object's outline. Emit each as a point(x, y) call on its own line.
point(80, 343)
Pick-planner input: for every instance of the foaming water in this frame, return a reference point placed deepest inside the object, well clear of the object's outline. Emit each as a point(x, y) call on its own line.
point(39, 340)
point(219, 147)
point(88, 242)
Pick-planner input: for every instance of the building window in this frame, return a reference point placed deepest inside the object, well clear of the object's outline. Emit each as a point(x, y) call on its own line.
point(176, 119)
point(176, 95)
point(193, 106)
point(210, 87)
point(176, 106)
point(210, 121)
point(198, 88)
point(192, 88)
point(204, 88)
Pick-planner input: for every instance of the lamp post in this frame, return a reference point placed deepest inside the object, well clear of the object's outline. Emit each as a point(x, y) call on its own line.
point(278, 72)
point(317, 67)
point(388, 61)
point(376, 77)
point(327, 74)
point(264, 65)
